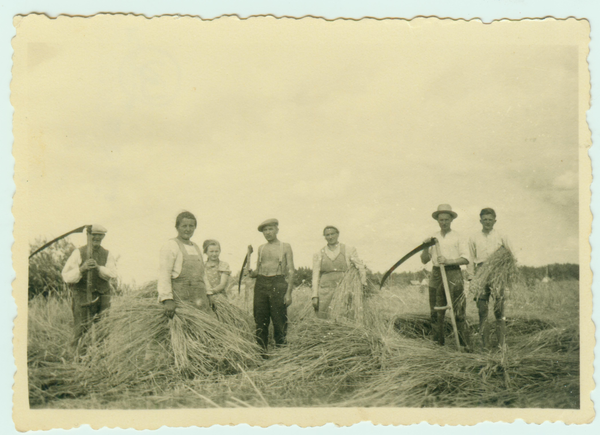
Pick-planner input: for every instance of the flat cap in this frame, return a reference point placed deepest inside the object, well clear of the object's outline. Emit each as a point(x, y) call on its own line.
point(262, 226)
point(98, 229)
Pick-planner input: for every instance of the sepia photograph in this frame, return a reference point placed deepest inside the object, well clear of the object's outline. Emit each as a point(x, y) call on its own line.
point(306, 216)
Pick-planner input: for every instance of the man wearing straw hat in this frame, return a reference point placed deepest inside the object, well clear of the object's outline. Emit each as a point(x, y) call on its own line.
point(481, 246)
point(453, 252)
point(103, 267)
point(274, 282)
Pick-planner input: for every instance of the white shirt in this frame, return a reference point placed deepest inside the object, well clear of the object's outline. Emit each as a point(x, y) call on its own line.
point(169, 266)
point(72, 275)
point(482, 245)
point(452, 246)
point(351, 259)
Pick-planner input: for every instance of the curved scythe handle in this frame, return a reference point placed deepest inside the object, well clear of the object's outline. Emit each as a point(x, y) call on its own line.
point(406, 257)
point(76, 230)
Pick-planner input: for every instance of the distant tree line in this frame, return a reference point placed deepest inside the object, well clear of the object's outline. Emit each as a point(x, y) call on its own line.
point(45, 272)
point(529, 274)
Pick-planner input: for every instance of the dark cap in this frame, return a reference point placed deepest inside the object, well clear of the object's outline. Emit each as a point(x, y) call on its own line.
point(262, 226)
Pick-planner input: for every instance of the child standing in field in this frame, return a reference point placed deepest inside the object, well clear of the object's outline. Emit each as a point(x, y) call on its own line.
point(217, 272)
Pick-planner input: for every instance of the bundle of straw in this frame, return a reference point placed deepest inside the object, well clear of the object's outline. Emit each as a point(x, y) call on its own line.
point(499, 272)
point(347, 301)
point(137, 346)
point(301, 307)
point(149, 290)
point(233, 316)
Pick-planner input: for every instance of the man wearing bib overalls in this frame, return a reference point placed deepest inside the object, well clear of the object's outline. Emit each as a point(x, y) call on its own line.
point(274, 282)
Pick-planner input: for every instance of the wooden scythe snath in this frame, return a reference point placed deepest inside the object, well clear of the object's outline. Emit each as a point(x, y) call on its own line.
point(89, 275)
point(448, 306)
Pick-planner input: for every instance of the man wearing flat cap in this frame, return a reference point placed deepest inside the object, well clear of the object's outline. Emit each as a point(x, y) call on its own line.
point(103, 267)
point(454, 252)
point(274, 282)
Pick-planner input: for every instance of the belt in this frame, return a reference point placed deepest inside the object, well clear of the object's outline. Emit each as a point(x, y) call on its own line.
point(271, 277)
point(452, 267)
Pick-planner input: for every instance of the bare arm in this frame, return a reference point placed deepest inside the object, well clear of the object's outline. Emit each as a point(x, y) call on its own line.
point(291, 270)
point(222, 284)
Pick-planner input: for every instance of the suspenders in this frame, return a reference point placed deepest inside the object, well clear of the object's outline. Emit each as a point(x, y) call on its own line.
point(259, 259)
point(342, 251)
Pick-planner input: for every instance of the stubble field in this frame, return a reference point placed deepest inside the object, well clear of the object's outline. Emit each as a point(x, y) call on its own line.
point(387, 360)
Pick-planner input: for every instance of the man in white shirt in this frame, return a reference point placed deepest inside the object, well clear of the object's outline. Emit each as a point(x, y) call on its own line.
point(453, 253)
point(103, 267)
point(481, 246)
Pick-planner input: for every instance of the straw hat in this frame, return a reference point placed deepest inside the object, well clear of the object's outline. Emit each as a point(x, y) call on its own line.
point(444, 208)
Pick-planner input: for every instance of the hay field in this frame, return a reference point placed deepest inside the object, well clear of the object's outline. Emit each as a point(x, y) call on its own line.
point(389, 360)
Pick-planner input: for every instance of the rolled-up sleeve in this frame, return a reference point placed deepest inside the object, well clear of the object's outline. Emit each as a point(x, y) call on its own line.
point(109, 270)
point(506, 243)
point(358, 263)
point(316, 274)
point(165, 269)
point(70, 273)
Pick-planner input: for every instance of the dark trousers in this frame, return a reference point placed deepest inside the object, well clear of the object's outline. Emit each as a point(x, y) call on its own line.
point(437, 298)
point(83, 316)
point(483, 308)
point(268, 305)
point(483, 304)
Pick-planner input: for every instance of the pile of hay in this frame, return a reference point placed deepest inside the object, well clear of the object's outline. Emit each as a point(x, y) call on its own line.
point(136, 348)
point(417, 373)
point(324, 360)
point(499, 272)
point(301, 308)
point(49, 354)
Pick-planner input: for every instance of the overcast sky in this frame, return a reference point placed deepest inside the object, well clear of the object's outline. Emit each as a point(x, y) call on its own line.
point(129, 126)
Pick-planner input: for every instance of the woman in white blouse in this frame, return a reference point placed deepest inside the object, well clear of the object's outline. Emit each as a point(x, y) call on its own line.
point(329, 265)
point(181, 269)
